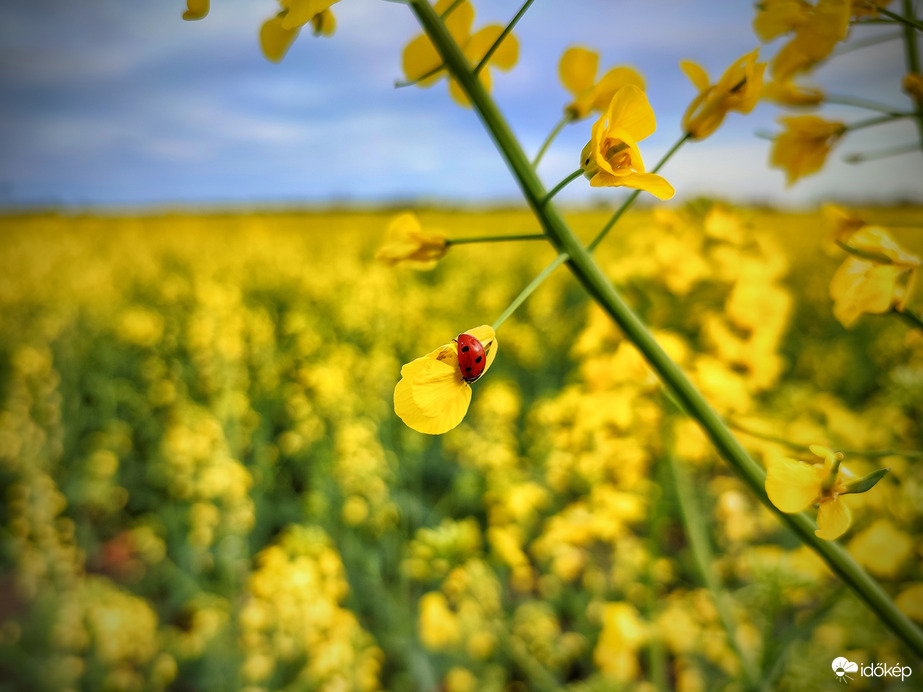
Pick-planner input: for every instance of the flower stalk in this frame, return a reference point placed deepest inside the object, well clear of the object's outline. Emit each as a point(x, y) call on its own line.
point(494, 239)
point(600, 288)
point(502, 36)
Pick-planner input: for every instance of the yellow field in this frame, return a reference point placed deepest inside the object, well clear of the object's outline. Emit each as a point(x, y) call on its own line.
point(205, 485)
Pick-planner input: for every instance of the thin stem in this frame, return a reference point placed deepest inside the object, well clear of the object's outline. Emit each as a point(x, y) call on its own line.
point(450, 9)
point(633, 196)
point(907, 19)
point(694, 524)
point(560, 186)
point(865, 43)
point(528, 290)
point(551, 137)
point(912, 58)
point(882, 153)
point(911, 318)
point(845, 100)
point(871, 122)
point(401, 83)
point(799, 447)
point(600, 288)
point(864, 254)
point(494, 239)
point(509, 27)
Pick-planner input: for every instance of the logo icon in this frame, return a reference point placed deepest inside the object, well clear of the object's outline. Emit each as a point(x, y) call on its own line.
point(841, 666)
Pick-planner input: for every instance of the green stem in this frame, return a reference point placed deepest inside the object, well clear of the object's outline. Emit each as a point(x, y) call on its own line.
point(864, 43)
point(528, 290)
point(495, 239)
point(509, 27)
point(450, 9)
point(634, 195)
point(597, 284)
point(401, 83)
point(877, 121)
point(912, 58)
point(799, 447)
point(882, 153)
point(560, 186)
point(907, 19)
point(845, 100)
point(551, 137)
point(694, 523)
point(909, 317)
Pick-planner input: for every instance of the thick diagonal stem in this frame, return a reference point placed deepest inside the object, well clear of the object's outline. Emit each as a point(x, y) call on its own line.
point(599, 287)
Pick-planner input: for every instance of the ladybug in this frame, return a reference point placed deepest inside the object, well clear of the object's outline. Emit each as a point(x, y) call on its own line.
point(471, 357)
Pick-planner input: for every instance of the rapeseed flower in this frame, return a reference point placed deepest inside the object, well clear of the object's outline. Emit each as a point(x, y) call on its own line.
point(611, 157)
point(788, 93)
point(817, 32)
point(407, 243)
point(738, 90)
point(278, 33)
point(423, 64)
point(577, 71)
point(195, 9)
point(882, 278)
point(793, 486)
point(777, 17)
point(803, 147)
point(433, 395)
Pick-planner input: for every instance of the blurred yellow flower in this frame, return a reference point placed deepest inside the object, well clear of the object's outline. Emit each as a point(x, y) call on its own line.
point(423, 64)
point(195, 9)
point(611, 157)
point(777, 17)
point(884, 277)
point(793, 486)
point(816, 35)
point(407, 243)
point(432, 396)
point(278, 33)
point(913, 85)
point(577, 71)
point(788, 93)
point(803, 147)
point(844, 223)
point(882, 549)
point(738, 90)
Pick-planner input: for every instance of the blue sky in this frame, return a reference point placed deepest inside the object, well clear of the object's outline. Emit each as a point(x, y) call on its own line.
point(121, 103)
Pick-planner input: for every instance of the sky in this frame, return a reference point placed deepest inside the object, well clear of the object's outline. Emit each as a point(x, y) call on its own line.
point(121, 103)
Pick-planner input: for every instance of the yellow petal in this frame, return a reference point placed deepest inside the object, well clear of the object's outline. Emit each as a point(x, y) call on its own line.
point(611, 82)
point(431, 396)
point(420, 57)
point(631, 112)
point(833, 519)
point(650, 182)
point(506, 55)
point(324, 24)
point(577, 69)
point(696, 74)
point(792, 485)
point(195, 9)
point(488, 338)
point(275, 40)
point(300, 12)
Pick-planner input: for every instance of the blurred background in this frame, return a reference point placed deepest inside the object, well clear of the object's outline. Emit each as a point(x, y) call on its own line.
point(204, 484)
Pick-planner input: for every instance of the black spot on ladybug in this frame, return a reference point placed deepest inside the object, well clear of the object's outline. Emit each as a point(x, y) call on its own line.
point(464, 349)
point(468, 369)
point(477, 360)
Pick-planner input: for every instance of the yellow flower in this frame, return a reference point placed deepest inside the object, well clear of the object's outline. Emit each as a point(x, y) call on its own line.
point(885, 277)
point(793, 486)
point(790, 94)
point(777, 17)
point(278, 33)
point(803, 147)
point(195, 9)
point(432, 396)
point(423, 64)
point(738, 90)
point(816, 35)
point(913, 85)
point(577, 71)
point(611, 157)
point(845, 223)
point(408, 243)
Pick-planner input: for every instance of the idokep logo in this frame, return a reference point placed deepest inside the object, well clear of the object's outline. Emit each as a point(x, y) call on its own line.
point(842, 667)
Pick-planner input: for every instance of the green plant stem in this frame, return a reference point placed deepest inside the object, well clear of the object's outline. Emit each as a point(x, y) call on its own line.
point(401, 83)
point(555, 131)
point(509, 27)
point(634, 195)
point(911, 318)
point(589, 274)
point(799, 447)
point(864, 43)
point(871, 122)
point(495, 239)
point(912, 58)
point(855, 101)
point(882, 153)
point(560, 186)
point(694, 523)
point(528, 290)
point(907, 19)
point(450, 9)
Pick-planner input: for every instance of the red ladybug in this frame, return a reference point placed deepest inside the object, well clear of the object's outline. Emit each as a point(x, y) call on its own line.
point(471, 357)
